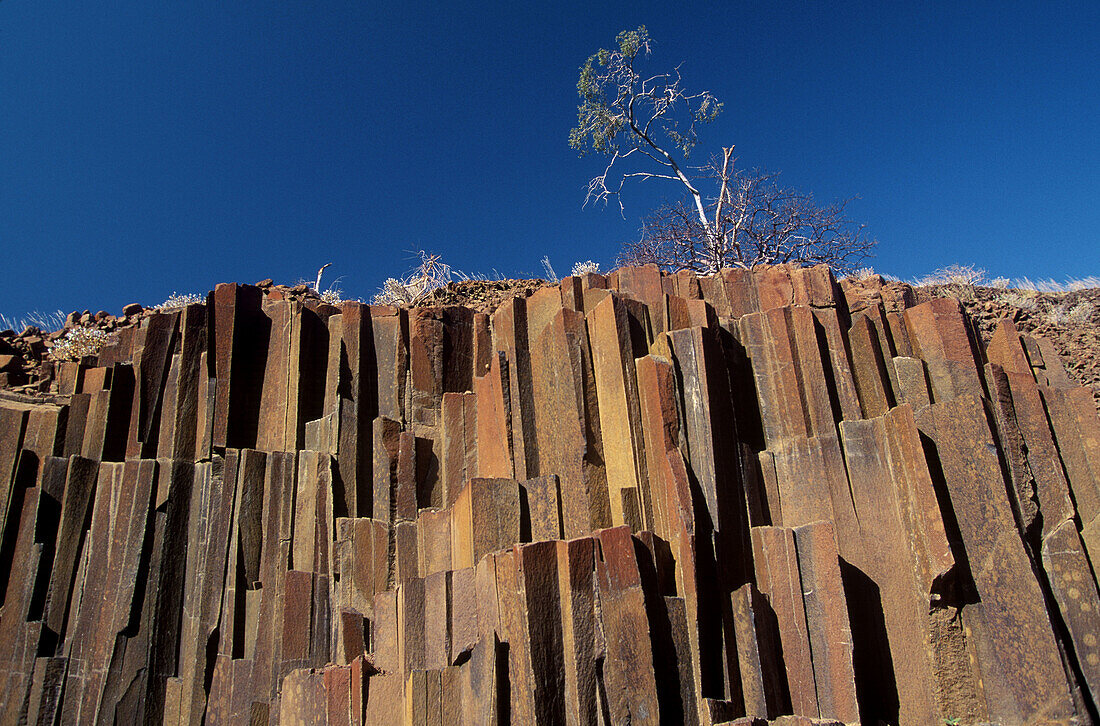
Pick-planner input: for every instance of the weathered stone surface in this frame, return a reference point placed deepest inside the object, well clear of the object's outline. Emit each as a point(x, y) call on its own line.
point(562, 421)
point(832, 508)
point(493, 432)
point(620, 414)
point(778, 579)
point(827, 624)
point(904, 555)
point(790, 380)
point(1021, 667)
point(1070, 578)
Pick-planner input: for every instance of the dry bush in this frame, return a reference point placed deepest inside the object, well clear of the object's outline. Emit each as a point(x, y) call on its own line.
point(585, 268)
point(332, 296)
point(1022, 299)
point(78, 343)
point(957, 281)
point(430, 275)
point(1065, 315)
point(176, 300)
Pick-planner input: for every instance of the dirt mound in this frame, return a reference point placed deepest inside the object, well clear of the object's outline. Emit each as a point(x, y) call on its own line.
point(1070, 321)
point(483, 296)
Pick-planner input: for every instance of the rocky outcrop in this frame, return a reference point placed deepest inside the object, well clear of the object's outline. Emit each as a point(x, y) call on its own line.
point(756, 497)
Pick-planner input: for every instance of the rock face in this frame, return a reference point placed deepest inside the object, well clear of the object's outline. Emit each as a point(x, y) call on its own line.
point(640, 498)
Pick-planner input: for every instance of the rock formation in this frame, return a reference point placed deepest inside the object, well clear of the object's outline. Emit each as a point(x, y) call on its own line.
point(633, 499)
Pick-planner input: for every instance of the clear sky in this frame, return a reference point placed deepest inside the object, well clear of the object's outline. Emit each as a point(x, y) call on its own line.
point(148, 147)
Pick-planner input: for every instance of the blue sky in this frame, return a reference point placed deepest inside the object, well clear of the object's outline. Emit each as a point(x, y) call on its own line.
point(148, 147)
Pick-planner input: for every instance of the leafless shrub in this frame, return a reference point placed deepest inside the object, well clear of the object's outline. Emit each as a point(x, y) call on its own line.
point(430, 275)
point(957, 281)
point(753, 220)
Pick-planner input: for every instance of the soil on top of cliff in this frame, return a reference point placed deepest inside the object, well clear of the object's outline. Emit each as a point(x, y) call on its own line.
point(1070, 320)
point(482, 296)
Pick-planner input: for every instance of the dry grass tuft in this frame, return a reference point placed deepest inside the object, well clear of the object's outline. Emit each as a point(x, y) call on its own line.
point(176, 300)
point(78, 343)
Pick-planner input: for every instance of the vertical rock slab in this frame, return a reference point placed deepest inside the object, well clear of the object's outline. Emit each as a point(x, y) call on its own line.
point(510, 337)
point(434, 542)
point(458, 457)
point(386, 443)
point(560, 420)
point(437, 619)
point(778, 580)
point(912, 382)
point(904, 557)
point(459, 354)
point(620, 414)
point(774, 289)
point(114, 546)
point(543, 500)
point(493, 431)
point(1075, 591)
point(871, 375)
point(538, 571)
point(271, 434)
point(464, 625)
point(814, 286)
point(763, 681)
point(790, 380)
point(390, 329)
point(661, 433)
point(208, 527)
point(628, 676)
point(179, 418)
point(19, 633)
point(713, 290)
point(1021, 668)
point(827, 622)
point(813, 486)
point(941, 336)
point(512, 608)
point(709, 431)
point(425, 399)
point(1077, 431)
point(278, 512)
point(76, 506)
point(644, 284)
point(363, 553)
point(494, 516)
point(840, 375)
point(358, 404)
point(239, 343)
point(577, 596)
point(741, 292)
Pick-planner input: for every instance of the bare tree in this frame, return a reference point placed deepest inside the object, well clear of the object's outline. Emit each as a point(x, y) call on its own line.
point(631, 117)
point(755, 220)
